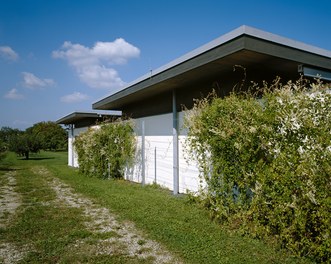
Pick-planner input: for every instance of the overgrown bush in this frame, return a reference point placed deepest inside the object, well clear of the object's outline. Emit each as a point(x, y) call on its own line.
point(105, 151)
point(267, 162)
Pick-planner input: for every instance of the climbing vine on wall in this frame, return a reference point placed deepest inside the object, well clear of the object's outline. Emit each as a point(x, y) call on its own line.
point(266, 161)
point(106, 150)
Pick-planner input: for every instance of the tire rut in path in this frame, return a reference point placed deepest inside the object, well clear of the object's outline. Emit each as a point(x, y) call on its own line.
point(10, 200)
point(127, 241)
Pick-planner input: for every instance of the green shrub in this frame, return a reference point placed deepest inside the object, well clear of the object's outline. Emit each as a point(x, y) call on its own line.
point(267, 163)
point(105, 151)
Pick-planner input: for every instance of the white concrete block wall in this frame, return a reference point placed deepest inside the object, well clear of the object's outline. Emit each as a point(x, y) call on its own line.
point(72, 155)
point(164, 154)
point(134, 172)
point(158, 136)
point(70, 149)
point(188, 170)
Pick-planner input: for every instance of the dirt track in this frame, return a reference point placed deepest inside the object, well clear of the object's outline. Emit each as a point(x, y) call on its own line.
point(126, 241)
point(9, 202)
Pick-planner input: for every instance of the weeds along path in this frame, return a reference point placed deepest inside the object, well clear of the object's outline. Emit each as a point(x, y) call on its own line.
point(125, 239)
point(10, 200)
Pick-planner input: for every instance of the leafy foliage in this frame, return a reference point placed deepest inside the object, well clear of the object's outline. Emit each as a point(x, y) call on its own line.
point(25, 143)
point(43, 135)
point(105, 151)
point(267, 162)
point(51, 135)
point(7, 136)
point(2, 149)
point(52, 231)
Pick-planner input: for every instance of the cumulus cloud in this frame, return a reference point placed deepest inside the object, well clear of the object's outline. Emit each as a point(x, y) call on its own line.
point(33, 82)
point(8, 53)
point(76, 97)
point(95, 66)
point(13, 94)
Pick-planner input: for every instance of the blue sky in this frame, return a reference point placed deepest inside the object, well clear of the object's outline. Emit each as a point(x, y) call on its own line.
point(60, 56)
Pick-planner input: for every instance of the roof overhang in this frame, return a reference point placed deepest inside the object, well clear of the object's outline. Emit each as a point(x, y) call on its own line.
point(82, 118)
point(253, 49)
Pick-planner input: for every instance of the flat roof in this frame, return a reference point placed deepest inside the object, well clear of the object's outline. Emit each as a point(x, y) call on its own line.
point(79, 116)
point(244, 44)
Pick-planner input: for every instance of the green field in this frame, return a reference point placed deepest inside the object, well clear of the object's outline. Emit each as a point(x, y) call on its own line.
point(46, 231)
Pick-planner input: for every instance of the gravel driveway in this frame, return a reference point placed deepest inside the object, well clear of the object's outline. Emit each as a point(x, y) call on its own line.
point(127, 239)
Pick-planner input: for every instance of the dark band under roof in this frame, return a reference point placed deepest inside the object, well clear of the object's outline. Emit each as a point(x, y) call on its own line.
point(242, 38)
point(81, 115)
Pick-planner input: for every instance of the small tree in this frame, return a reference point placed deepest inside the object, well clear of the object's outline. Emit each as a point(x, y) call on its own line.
point(51, 135)
point(2, 149)
point(25, 143)
point(8, 135)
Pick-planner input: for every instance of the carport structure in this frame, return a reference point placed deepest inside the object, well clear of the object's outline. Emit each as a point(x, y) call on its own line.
point(155, 100)
point(262, 54)
point(79, 122)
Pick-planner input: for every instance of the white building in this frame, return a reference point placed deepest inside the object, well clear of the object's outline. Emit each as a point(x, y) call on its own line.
point(79, 122)
point(155, 100)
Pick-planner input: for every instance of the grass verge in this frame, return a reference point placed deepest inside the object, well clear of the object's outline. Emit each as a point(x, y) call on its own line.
point(44, 230)
point(179, 225)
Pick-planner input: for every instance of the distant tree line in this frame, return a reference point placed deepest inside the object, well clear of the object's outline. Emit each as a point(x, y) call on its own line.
point(41, 136)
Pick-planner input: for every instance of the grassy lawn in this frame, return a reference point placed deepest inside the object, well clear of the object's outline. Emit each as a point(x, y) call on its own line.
point(180, 226)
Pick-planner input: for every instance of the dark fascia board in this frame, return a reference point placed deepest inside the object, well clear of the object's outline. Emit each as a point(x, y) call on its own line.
point(241, 38)
point(78, 116)
point(288, 52)
point(147, 84)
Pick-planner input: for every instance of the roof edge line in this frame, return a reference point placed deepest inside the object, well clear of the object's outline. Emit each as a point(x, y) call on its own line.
point(187, 56)
point(257, 33)
point(240, 31)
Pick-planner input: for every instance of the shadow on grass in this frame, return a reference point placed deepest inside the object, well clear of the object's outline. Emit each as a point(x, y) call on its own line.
point(36, 158)
point(10, 167)
point(5, 168)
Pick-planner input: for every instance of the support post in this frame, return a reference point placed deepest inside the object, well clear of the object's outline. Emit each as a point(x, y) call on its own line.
point(71, 146)
point(175, 143)
point(143, 152)
point(155, 167)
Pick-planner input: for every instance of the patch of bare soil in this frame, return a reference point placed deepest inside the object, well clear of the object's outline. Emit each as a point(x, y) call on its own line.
point(10, 253)
point(125, 238)
point(10, 200)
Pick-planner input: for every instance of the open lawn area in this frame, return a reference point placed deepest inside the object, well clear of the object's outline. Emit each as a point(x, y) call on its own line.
point(52, 214)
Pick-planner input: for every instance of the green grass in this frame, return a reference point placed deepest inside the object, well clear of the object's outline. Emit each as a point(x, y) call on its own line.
point(180, 226)
point(48, 232)
point(47, 228)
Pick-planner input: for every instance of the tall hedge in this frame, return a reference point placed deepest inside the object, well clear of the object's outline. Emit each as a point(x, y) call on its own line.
point(105, 151)
point(267, 163)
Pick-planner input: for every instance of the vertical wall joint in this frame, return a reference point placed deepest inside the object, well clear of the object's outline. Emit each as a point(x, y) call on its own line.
point(175, 143)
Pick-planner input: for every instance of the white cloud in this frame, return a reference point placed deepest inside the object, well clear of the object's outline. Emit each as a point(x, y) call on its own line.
point(97, 76)
point(13, 94)
point(94, 66)
point(32, 81)
point(8, 53)
point(76, 97)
